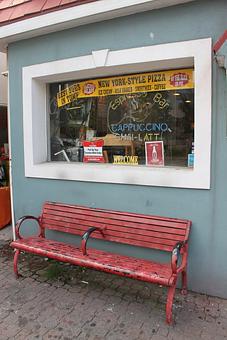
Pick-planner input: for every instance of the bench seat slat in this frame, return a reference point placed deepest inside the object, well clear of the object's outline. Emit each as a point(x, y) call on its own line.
point(156, 244)
point(87, 220)
point(168, 239)
point(110, 229)
point(133, 229)
point(74, 223)
point(107, 215)
point(113, 263)
point(68, 207)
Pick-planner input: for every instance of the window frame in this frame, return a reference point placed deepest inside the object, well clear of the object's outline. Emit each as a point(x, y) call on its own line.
point(194, 53)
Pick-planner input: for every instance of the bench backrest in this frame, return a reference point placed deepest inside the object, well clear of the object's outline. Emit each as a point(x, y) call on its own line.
point(135, 229)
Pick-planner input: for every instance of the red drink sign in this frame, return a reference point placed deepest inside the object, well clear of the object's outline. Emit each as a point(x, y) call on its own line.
point(154, 153)
point(93, 151)
point(179, 79)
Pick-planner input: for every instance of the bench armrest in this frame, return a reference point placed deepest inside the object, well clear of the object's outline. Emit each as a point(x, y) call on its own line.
point(86, 236)
point(176, 252)
point(22, 219)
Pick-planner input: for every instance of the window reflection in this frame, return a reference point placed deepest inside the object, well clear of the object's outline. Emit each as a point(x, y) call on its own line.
point(128, 124)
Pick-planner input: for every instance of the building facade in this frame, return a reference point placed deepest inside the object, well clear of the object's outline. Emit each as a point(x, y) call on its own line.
point(123, 107)
point(3, 100)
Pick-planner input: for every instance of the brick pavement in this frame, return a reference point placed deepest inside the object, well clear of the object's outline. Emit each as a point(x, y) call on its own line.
point(60, 301)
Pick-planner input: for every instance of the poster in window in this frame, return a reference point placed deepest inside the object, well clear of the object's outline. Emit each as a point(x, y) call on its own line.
point(93, 151)
point(154, 153)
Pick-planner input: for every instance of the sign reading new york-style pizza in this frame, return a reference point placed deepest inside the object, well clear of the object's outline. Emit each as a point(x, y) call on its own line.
point(126, 84)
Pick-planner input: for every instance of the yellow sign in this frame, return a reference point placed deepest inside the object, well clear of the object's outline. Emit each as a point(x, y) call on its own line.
point(129, 160)
point(133, 83)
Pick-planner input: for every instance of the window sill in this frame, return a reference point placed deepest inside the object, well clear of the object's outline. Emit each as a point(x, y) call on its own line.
point(177, 177)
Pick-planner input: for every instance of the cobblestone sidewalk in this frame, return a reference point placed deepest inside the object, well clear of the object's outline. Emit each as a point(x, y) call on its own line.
point(60, 301)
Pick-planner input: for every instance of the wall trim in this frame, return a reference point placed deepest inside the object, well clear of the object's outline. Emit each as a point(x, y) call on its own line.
point(172, 55)
point(77, 16)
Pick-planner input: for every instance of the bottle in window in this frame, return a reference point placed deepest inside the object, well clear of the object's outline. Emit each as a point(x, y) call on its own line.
point(154, 154)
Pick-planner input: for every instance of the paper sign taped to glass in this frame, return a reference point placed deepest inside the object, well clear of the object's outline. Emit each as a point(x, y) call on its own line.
point(93, 151)
point(154, 153)
point(191, 160)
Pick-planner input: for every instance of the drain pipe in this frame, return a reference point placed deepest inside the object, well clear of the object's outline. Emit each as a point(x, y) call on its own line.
point(220, 59)
point(10, 169)
point(6, 74)
point(220, 42)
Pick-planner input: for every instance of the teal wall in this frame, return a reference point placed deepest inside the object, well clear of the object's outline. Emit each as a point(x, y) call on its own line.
point(206, 208)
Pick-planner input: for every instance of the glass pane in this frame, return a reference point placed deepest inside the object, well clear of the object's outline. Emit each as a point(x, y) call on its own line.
point(151, 124)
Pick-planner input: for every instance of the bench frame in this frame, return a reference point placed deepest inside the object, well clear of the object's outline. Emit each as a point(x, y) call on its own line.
point(179, 252)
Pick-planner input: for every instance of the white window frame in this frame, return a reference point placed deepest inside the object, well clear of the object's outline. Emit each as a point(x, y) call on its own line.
point(194, 53)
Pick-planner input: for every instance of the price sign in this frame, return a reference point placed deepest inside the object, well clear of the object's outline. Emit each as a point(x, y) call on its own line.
point(93, 151)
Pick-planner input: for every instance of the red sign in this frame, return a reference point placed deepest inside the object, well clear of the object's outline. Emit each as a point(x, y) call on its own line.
point(89, 88)
point(93, 151)
point(179, 79)
point(154, 153)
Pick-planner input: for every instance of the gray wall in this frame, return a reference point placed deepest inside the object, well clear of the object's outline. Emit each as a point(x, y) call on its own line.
point(206, 208)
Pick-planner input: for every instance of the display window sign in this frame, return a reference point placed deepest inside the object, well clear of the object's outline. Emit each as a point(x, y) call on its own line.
point(154, 153)
point(191, 160)
point(136, 83)
point(93, 151)
point(125, 160)
point(137, 119)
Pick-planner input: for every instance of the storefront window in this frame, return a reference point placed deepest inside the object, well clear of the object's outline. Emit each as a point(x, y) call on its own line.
point(137, 119)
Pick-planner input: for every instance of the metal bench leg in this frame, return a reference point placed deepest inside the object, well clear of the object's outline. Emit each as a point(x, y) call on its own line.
point(15, 261)
point(184, 282)
point(169, 304)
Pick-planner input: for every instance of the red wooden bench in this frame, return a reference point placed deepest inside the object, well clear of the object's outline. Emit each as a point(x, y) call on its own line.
point(161, 233)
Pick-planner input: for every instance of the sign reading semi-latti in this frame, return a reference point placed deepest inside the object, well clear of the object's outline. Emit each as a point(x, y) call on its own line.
point(133, 83)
